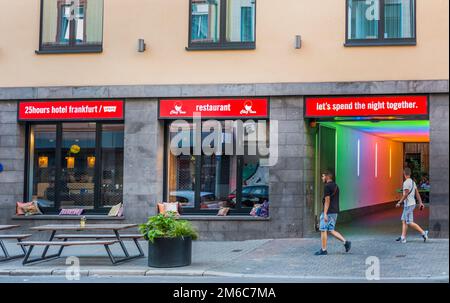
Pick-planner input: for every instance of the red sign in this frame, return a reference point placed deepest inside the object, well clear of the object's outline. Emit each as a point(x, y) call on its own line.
point(366, 106)
point(214, 108)
point(71, 110)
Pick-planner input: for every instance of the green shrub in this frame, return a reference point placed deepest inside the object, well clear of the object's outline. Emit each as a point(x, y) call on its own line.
point(167, 226)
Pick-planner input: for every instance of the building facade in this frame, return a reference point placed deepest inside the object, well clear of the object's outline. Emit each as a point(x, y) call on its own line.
point(92, 93)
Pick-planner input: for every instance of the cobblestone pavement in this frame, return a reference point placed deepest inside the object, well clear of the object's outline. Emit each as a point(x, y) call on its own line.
point(374, 236)
point(271, 258)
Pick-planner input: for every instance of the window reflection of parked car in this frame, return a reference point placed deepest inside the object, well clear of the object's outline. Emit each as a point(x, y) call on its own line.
point(251, 195)
point(187, 197)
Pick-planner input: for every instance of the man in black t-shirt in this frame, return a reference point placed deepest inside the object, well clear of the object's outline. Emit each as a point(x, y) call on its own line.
point(329, 215)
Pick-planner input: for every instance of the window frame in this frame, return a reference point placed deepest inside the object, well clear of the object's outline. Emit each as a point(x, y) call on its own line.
point(97, 210)
point(222, 44)
point(71, 47)
point(196, 210)
point(381, 41)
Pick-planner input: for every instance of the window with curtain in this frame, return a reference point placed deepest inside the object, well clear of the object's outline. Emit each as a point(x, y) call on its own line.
point(205, 21)
point(222, 24)
point(76, 165)
point(363, 19)
point(398, 19)
point(380, 21)
point(71, 25)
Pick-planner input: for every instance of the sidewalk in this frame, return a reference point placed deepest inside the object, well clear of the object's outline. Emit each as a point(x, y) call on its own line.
point(273, 258)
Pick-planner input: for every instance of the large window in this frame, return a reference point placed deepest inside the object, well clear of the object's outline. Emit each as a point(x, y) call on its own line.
point(76, 165)
point(222, 24)
point(71, 26)
point(204, 182)
point(380, 22)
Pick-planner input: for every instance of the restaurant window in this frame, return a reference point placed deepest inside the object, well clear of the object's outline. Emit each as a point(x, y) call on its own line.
point(76, 165)
point(380, 22)
point(222, 24)
point(206, 182)
point(71, 26)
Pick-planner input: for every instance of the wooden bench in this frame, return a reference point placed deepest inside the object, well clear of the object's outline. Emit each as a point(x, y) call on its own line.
point(19, 239)
point(62, 244)
point(134, 237)
point(85, 236)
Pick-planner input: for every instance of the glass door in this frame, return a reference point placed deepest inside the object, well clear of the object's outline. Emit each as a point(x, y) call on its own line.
point(77, 183)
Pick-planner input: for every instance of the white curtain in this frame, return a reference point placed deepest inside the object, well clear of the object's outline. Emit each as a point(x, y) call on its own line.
point(94, 21)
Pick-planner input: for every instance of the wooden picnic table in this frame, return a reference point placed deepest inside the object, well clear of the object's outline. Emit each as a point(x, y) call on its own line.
point(5, 227)
point(114, 236)
point(17, 237)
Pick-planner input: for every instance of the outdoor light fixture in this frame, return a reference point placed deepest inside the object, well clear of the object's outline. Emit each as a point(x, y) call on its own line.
point(141, 45)
point(43, 162)
point(298, 42)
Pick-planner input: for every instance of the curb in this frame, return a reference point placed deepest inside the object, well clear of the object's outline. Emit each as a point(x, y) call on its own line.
point(207, 273)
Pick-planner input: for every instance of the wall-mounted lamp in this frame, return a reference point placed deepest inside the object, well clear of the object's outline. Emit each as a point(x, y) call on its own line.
point(141, 45)
point(298, 42)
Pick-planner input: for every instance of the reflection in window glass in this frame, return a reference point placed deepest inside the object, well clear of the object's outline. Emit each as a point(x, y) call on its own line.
point(112, 164)
point(43, 165)
point(218, 169)
point(363, 17)
point(205, 20)
point(399, 19)
point(78, 165)
point(255, 177)
point(240, 20)
point(75, 23)
point(218, 181)
point(181, 168)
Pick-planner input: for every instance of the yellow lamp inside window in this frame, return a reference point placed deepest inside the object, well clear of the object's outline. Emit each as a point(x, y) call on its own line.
point(91, 161)
point(70, 162)
point(43, 162)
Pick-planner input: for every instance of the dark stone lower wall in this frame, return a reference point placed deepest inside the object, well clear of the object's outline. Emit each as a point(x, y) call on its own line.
point(12, 157)
point(291, 179)
point(439, 165)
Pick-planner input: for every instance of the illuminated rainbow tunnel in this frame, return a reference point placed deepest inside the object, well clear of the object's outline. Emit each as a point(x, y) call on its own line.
point(370, 158)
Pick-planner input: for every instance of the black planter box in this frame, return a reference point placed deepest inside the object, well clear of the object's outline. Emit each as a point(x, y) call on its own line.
point(170, 252)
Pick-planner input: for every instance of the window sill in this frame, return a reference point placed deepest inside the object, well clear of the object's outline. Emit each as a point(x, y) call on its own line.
point(74, 218)
point(222, 218)
point(220, 47)
point(382, 43)
point(68, 51)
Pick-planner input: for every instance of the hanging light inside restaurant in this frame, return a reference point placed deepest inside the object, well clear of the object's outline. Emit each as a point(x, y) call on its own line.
point(91, 161)
point(70, 162)
point(43, 162)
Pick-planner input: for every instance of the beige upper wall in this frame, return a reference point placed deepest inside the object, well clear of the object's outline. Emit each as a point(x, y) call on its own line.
point(164, 26)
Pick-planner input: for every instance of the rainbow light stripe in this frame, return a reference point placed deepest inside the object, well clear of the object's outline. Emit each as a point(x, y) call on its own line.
point(401, 131)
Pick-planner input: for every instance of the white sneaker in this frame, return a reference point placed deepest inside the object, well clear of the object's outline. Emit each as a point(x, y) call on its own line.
point(425, 236)
point(403, 240)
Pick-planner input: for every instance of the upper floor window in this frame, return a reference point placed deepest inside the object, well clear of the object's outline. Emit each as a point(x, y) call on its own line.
point(380, 22)
point(71, 26)
point(222, 24)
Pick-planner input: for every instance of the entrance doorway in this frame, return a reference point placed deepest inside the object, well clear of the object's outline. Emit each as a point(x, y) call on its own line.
point(367, 158)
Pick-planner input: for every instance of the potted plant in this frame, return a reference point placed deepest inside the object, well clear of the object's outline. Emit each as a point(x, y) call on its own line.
point(169, 240)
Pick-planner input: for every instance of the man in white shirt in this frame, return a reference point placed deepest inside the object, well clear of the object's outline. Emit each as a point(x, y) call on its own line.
point(410, 193)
